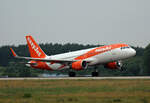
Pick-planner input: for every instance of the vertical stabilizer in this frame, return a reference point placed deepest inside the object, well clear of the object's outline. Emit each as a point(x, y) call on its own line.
point(34, 48)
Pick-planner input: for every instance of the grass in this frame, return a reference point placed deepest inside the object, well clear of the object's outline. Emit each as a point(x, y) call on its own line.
point(75, 91)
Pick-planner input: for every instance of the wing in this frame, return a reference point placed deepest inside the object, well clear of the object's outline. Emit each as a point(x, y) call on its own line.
point(44, 59)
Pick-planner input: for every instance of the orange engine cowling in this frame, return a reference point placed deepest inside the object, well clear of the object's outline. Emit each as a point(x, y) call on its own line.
point(113, 65)
point(79, 65)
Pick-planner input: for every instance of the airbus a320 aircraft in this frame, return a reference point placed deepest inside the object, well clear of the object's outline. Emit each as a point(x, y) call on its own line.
point(110, 56)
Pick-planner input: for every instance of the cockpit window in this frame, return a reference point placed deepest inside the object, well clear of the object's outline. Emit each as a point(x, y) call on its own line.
point(125, 47)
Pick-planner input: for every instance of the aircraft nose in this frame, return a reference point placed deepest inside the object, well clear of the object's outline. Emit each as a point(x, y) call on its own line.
point(132, 52)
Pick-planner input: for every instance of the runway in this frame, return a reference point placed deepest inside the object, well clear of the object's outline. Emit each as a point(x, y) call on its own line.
point(78, 78)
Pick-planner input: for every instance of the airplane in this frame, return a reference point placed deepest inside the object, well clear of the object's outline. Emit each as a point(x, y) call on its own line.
point(110, 56)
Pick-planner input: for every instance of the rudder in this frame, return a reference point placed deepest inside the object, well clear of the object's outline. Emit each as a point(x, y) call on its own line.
point(34, 48)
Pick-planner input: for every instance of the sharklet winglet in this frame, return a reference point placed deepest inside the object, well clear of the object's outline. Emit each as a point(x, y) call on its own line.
point(13, 52)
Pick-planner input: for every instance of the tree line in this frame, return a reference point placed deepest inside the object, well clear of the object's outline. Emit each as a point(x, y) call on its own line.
point(135, 66)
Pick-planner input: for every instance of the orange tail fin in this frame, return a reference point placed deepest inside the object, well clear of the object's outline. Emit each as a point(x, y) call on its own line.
point(34, 48)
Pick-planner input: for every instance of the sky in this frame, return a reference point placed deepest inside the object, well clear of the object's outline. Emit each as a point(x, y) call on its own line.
point(75, 21)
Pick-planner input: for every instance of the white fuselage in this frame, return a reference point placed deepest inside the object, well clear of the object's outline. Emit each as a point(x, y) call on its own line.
point(101, 58)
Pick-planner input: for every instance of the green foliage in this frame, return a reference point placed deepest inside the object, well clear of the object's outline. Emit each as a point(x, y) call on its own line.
point(146, 60)
point(134, 66)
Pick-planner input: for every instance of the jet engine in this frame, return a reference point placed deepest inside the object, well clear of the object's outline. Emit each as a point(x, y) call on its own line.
point(114, 65)
point(79, 65)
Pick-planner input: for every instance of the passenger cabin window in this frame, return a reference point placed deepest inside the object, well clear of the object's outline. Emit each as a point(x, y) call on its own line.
point(125, 47)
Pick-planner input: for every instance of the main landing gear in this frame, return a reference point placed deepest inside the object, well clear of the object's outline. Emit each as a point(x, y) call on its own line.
point(95, 73)
point(72, 74)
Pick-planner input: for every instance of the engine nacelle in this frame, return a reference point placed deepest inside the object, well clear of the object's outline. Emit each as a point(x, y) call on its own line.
point(114, 65)
point(79, 65)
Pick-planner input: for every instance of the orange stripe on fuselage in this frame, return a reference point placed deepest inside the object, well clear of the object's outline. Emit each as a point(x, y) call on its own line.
point(99, 50)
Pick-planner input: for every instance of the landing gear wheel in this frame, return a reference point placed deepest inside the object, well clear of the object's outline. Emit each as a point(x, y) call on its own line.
point(95, 74)
point(123, 69)
point(72, 74)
